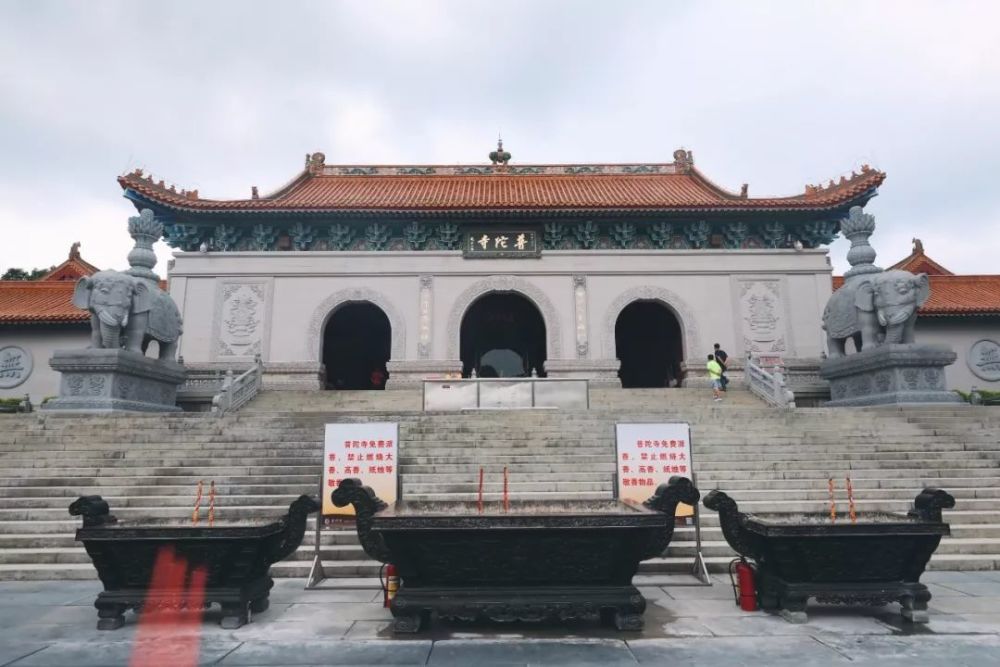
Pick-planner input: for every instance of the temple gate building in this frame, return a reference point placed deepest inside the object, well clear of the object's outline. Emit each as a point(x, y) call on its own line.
point(349, 276)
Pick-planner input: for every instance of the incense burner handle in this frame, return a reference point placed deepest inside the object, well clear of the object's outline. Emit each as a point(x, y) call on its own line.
point(928, 504)
point(731, 519)
point(294, 525)
point(366, 505)
point(94, 510)
point(665, 499)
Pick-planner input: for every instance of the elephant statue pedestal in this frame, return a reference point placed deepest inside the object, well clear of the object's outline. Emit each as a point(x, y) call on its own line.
point(890, 374)
point(115, 380)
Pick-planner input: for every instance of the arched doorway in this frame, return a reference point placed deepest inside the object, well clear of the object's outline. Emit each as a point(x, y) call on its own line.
point(356, 346)
point(502, 335)
point(648, 344)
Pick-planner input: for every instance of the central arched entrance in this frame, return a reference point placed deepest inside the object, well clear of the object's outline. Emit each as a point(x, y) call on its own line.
point(356, 346)
point(648, 344)
point(502, 335)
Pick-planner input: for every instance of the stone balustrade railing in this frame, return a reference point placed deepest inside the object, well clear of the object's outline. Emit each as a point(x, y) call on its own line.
point(238, 390)
point(769, 385)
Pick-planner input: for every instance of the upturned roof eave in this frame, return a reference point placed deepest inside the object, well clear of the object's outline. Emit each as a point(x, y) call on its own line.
point(139, 199)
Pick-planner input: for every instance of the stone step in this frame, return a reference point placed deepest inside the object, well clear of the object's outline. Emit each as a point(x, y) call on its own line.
point(519, 488)
point(69, 493)
point(496, 497)
point(202, 472)
point(859, 483)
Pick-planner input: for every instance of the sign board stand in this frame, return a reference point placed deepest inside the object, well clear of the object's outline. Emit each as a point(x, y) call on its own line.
point(649, 454)
point(367, 451)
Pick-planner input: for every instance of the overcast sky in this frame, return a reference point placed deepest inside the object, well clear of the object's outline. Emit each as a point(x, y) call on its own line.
point(220, 96)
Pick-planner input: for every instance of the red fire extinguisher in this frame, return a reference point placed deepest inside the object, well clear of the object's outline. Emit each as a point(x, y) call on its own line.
point(390, 584)
point(741, 575)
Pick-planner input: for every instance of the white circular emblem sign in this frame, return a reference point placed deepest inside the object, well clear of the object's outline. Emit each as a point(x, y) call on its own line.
point(984, 359)
point(15, 366)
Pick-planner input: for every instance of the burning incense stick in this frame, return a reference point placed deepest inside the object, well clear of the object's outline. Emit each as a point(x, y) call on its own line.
point(850, 501)
point(480, 490)
point(197, 505)
point(506, 495)
point(211, 503)
point(833, 502)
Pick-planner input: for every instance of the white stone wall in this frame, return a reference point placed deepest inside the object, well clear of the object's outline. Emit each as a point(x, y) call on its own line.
point(41, 341)
point(961, 333)
point(278, 302)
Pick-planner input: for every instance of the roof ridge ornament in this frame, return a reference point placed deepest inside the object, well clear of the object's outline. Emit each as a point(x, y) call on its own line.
point(683, 161)
point(315, 163)
point(500, 156)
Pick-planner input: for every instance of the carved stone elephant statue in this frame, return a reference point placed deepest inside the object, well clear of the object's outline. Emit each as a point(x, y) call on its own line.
point(843, 319)
point(875, 309)
point(895, 297)
point(130, 311)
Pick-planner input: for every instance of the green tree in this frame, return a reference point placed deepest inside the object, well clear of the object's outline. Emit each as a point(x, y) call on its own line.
point(15, 273)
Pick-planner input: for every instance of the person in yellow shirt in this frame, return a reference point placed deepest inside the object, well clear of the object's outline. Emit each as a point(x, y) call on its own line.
point(715, 375)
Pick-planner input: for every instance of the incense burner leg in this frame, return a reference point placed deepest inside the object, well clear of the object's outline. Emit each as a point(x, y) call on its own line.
point(793, 607)
point(768, 601)
point(234, 615)
point(408, 622)
point(914, 607)
point(111, 615)
point(628, 620)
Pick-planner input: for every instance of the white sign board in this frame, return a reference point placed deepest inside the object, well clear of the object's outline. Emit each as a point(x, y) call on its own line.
point(369, 452)
point(649, 455)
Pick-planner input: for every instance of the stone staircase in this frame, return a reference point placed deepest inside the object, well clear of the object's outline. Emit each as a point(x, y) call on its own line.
point(264, 456)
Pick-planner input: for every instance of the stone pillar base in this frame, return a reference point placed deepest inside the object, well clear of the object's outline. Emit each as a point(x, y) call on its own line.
point(104, 381)
point(411, 374)
point(890, 375)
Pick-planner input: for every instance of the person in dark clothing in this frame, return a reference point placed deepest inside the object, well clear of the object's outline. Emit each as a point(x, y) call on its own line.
point(721, 356)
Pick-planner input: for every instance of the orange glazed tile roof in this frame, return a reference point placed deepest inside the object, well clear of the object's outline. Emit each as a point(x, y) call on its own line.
point(669, 186)
point(47, 300)
point(38, 302)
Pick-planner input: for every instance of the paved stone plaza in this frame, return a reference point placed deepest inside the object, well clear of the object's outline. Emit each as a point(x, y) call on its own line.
point(53, 624)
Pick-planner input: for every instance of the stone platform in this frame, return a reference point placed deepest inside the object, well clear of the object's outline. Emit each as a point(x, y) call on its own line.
point(109, 381)
point(890, 375)
point(52, 623)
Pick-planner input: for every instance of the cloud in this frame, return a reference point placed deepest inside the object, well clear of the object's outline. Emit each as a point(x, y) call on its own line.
point(224, 95)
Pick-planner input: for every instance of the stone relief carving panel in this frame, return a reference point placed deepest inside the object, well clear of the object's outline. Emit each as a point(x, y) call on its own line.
point(680, 308)
point(16, 365)
point(506, 283)
point(242, 319)
point(761, 316)
point(314, 332)
point(984, 360)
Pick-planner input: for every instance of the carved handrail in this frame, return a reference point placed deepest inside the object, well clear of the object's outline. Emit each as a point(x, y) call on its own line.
point(770, 386)
point(237, 391)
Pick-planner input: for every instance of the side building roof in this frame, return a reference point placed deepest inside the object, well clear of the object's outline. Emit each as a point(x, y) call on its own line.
point(47, 300)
